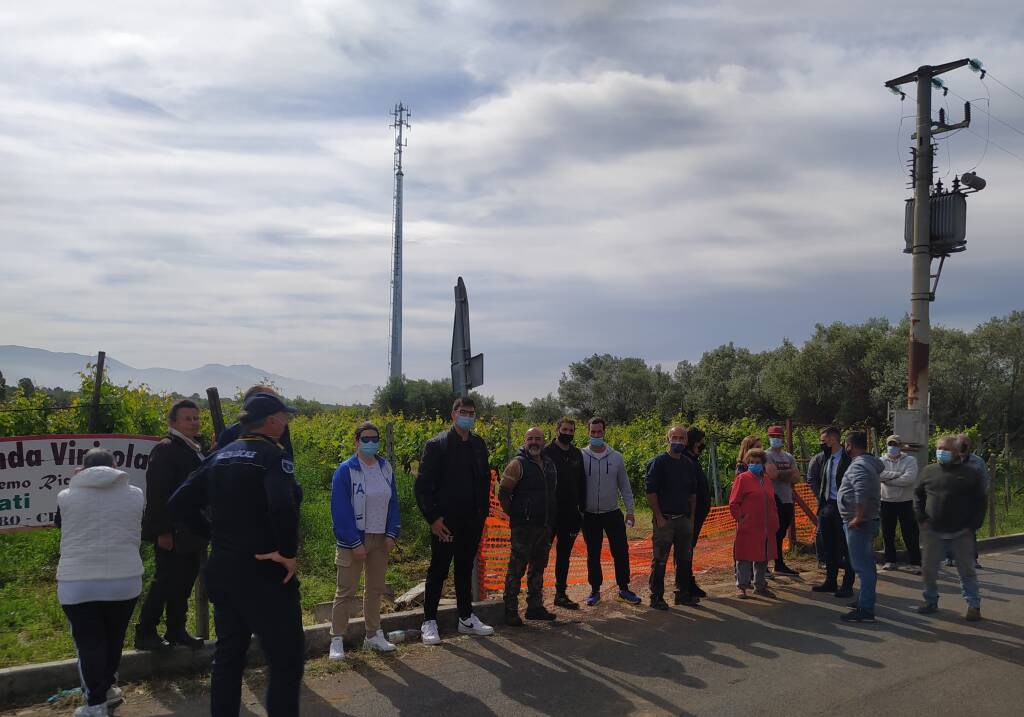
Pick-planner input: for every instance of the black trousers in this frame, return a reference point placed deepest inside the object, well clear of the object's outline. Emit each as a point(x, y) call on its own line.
point(98, 630)
point(172, 585)
point(595, 527)
point(785, 520)
point(247, 601)
point(903, 513)
point(677, 537)
point(833, 540)
point(462, 550)
point(565, 539)
point(531, 546)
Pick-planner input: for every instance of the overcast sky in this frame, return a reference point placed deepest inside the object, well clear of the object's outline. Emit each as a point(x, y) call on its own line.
point(188, 182)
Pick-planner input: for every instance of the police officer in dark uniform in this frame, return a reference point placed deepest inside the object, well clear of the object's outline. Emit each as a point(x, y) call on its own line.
point(253, 499)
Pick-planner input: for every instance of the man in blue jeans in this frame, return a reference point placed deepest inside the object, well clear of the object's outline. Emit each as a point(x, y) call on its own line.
point(859, 499)
point(949, 502)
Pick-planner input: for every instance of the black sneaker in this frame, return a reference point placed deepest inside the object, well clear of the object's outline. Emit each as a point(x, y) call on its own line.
point(150, 642)
point(540, 613)
point(928, 608)
point(562, 600)
point(824, 588)
point(696, 591)
point(185, 640)
point(659, 603)
point(685, 599)
point(512, 619)
point(784, 569)
point(858, 615)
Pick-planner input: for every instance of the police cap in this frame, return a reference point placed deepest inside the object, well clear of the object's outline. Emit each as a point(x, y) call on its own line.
point(260, 405)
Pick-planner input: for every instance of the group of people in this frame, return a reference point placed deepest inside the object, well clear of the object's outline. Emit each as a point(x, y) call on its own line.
point(244, 499)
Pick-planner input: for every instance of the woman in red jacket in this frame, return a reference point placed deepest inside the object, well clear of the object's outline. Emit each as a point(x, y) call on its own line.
point(752, 504)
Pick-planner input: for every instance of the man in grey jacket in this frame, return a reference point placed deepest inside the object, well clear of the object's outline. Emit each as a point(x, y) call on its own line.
point(898, 478)
point(859, 497)
point(606, 481)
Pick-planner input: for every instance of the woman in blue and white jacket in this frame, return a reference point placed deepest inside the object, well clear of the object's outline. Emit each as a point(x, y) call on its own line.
point(364, 508)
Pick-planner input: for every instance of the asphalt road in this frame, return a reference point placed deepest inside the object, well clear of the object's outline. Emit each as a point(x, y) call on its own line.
point(727, 657)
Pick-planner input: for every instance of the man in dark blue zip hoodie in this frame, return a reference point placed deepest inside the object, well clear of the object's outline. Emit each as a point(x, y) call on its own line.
point(527, 494)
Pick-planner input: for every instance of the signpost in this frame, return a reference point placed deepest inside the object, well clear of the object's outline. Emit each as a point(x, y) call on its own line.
point(34, 469)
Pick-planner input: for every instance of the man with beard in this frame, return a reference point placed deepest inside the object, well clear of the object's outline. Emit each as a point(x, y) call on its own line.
point(527, 495)
point(572, 484)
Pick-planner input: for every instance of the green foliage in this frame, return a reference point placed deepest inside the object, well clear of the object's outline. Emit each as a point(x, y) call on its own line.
point(423, 398)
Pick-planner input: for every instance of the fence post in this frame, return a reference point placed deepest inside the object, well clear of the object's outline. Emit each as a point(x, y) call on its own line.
point(1006, 471)
point(202, 599)
point(713, 468)
point(94, 415)
point(991, 513)
point(389, 442)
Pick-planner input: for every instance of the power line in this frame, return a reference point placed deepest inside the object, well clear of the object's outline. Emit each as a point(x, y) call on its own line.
point(989, 74)
point(982, 109)
point(996, 144)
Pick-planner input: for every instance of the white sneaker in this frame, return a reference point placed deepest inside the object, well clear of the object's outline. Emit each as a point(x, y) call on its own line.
point(337, 649)
point(889, 566)
point(378, 643)
point(92, 711)
point(428, 633)
point(473, 626)
point(115, 696)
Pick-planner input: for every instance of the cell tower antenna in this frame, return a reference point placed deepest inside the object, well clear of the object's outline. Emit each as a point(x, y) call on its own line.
point(400, 122)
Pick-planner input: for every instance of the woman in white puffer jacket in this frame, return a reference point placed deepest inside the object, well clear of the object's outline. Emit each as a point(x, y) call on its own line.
point(99, 575)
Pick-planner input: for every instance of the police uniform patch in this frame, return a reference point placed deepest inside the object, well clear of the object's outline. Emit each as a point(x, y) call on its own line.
point(287, 466)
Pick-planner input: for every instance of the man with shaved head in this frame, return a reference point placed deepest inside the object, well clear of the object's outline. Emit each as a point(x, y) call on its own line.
point(527, 493)
point(949, 502)
point(672, 495)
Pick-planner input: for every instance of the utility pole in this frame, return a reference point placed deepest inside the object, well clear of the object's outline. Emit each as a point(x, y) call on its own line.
point(920, 287)
point(400, 121)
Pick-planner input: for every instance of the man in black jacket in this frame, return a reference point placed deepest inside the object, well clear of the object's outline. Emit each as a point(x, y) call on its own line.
point(834, 462)
point(949, 502)
point(250, 488)
point(694, 447)
point(452, 489)
point(572, 485)
point(176, 549)
point(527, 495)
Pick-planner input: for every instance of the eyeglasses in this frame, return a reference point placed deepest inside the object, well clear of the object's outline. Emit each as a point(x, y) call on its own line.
point(368, 439)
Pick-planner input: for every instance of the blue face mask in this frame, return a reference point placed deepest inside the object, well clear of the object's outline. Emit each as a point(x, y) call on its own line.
point(943, 456)
point(369, 449)
point(756, 468)
point(466, 423)
point(775, 442)
point(893, 451)
point(677, 447)
point(596, 442)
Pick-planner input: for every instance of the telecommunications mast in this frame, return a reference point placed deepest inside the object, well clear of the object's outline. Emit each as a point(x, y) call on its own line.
point(400, 120)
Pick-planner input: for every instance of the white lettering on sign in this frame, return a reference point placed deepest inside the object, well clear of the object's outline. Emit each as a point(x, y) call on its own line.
point(34, 469)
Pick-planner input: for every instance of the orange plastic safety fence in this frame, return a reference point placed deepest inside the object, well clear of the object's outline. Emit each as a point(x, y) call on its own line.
point(713, 551)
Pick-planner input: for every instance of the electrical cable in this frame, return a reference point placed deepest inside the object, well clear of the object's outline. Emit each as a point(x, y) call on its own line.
point(997, 145)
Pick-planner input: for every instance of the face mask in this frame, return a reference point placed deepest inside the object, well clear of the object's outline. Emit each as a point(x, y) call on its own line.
point(596, 442)
point(756, 468)
point(466, 423)
point(943, 456)
point(369, 449)
point(565, 439)
point(677, 447)
point(775, 442)
point(893, 451)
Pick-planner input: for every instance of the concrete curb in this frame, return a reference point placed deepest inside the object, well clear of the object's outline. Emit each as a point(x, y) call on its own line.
point(21, 683)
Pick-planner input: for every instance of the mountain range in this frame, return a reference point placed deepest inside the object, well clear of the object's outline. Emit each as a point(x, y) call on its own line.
point(52, 369)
